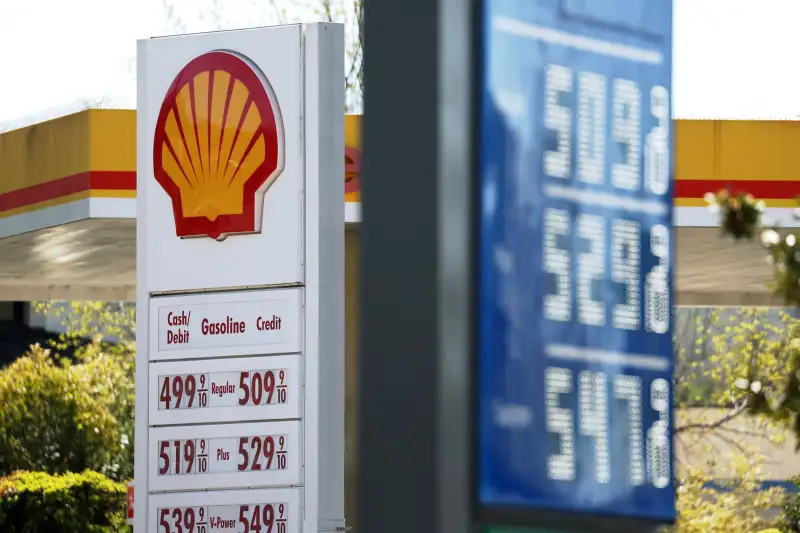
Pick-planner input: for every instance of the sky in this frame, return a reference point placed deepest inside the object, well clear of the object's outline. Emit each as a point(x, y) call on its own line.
point(63, 53)
point(736, 59)
point(733, 59)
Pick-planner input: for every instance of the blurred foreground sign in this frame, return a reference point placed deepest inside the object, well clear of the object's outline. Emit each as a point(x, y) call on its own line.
point(575, 363)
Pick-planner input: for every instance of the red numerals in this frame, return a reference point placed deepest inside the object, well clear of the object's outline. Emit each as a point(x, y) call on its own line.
point(184, 392)
point(244, 386)
point(182, 457)
point(191, 389)
point(244, 455)
point(261, 453)
point(202, 393)
point(202, 456)
point(262, 387)
point(262, 518)
point(163, 454)
point(182, 520)
point(163, 524)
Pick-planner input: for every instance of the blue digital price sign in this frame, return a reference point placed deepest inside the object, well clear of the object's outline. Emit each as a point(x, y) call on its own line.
point(575, 351)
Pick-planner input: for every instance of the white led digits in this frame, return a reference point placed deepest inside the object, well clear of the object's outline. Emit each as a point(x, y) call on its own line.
point(658, 442)
point(560, 421)
point(656, 152)
point(626, 125)
point(591, 104)
point(625, 269)
point(591, 268)
point(656, 287)
point(649, 459)
point(591, 127)
point(557, 306)
point(593, 419)
point(557, 117)
point(629, 389)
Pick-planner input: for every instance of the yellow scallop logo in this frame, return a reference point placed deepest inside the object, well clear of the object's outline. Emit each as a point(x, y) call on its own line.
point(218, 146)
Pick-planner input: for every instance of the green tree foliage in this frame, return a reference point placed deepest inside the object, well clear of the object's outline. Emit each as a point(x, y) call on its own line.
point(60, 416)
point(718, 437)
point(741, 217)
point(111, 379)
point(108, 361)
point(69, 414)
point(110, 325)
point(36, 502)
point(721, 352)
point(739, 505)
point(790, 514)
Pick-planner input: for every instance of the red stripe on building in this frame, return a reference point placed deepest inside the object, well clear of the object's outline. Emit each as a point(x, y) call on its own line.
point(95, 179)
point(758, 188)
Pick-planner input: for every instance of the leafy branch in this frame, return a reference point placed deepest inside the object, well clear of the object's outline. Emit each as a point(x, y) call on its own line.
point(741, 218)
point(719, 422)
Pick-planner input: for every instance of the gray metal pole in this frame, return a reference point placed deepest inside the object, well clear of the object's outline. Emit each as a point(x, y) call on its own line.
point(416, 268)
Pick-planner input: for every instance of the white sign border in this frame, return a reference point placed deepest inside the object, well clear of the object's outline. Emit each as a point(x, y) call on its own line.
point(294, 497)
point(294, 345)
point(292, 409)
point(321, 65)
point(291, 477)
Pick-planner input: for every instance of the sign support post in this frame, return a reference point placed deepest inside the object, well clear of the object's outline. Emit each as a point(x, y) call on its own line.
point(240, 265)
point(416, 238)
point(516, 339)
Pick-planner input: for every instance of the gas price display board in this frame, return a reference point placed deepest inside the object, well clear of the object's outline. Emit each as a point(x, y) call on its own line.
point(575, 366)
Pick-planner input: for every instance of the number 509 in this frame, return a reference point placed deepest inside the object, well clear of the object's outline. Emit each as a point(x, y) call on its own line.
point(626, 125)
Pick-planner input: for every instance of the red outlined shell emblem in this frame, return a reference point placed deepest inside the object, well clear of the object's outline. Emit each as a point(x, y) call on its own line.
point(218, 145)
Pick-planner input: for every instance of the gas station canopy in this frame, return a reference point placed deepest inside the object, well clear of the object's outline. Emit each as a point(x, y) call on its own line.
point(68, 205)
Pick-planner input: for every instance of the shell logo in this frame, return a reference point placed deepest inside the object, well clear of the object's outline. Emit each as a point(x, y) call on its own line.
point(218, 146)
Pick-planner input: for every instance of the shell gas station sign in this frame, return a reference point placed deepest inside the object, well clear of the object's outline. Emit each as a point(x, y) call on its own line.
point(240, 282)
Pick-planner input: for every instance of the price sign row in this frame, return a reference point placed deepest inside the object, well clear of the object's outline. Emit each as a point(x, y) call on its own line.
point(257, 388)
point(225, 456)
point(231, 454)
point(237, 511)
point(255, 518)
point(223, 389)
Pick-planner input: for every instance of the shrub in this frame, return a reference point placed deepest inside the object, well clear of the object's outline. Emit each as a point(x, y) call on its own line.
point(60, 417)
point(36, 502)
point(111, 378)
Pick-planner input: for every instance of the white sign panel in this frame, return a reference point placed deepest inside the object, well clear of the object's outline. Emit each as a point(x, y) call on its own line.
point(240, 282)
point(273, 250)
point(226, 324)
point(225, 456)
point(226, 390)
point(250, 511)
